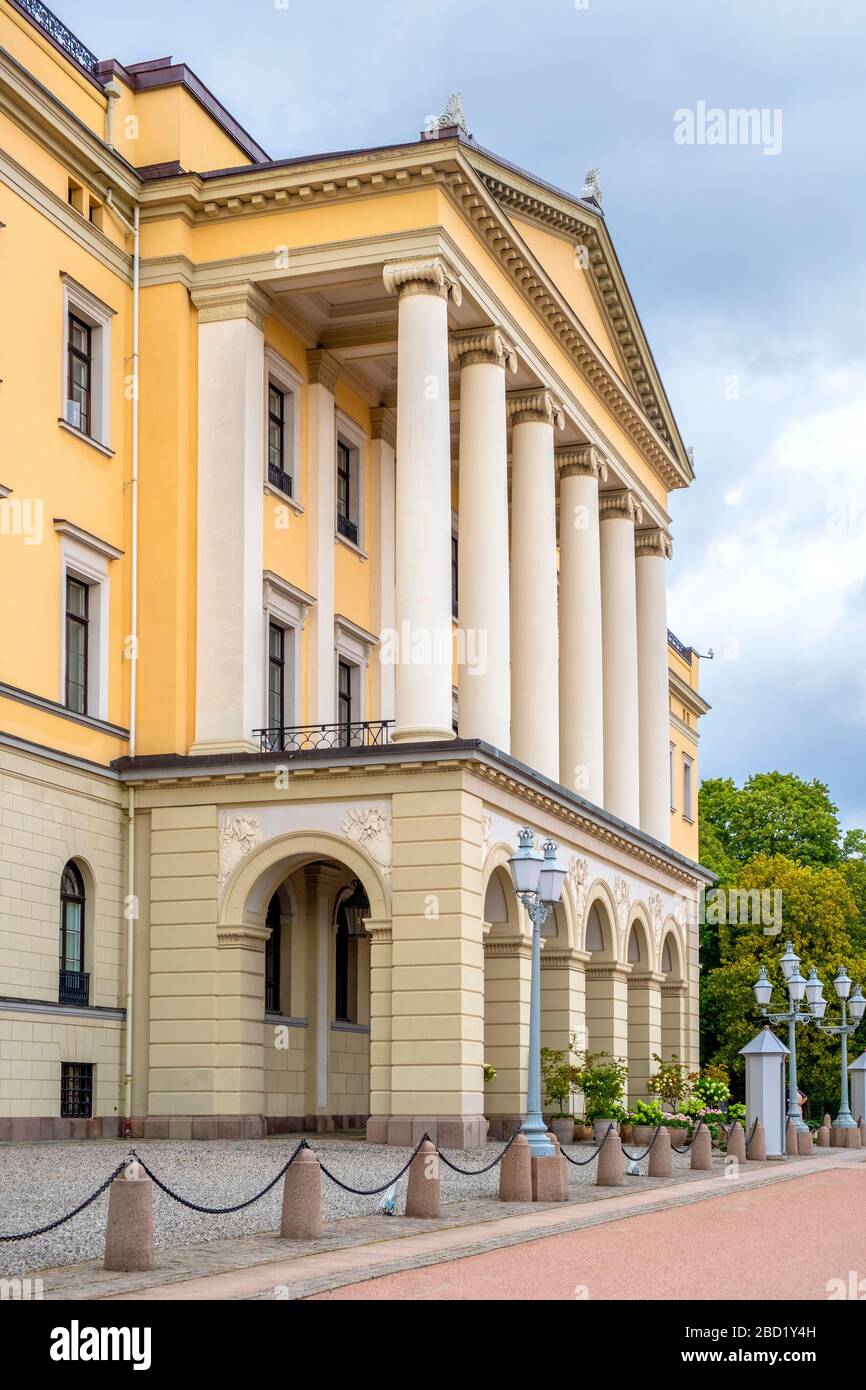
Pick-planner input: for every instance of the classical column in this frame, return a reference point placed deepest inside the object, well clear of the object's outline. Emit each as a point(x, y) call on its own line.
point(581, 688)
point(423, 532)
point(383, 424)
point(323, 370)
point(619, 510)
point(484, 637)
point(652, 551)
point(229, 625)
point(379, 933)
point(534, 638)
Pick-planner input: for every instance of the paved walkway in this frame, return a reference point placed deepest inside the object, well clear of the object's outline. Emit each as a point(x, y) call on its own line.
point(794, 1241)
point(352, 1252)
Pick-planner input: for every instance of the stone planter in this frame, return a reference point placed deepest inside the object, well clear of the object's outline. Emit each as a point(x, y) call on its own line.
point(582, 1133)
point(642, 1135)
point(600, 1128)
point(626, 1133)
point(563, 1129)
point(678, 1137)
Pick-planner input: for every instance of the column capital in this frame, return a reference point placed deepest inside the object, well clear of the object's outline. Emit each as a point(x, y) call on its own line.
point(582, 460)
point(489, 345)
point(432, 275)
point(216, 303)
point(383, 424)
point(323, 368)
point(620, 504)
point(538, 405)
point(653, 540)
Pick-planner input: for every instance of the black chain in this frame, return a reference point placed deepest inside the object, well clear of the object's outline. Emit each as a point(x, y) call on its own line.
point(754, 1127)
point(636, 1158)
point(475, 1172)
point(374, 1191)
point(52, 1225)
point(686, 1149)
point(582, 1162)
point(220, 1211)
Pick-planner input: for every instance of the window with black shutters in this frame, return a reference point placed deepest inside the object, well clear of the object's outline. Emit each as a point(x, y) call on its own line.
point(79, 351)
point(276, 680)
point(77, 633)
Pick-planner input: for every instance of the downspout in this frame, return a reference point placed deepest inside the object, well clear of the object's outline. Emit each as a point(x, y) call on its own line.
point(130, 909)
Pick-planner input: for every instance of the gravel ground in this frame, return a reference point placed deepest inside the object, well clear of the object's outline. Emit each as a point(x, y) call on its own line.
point(39, 1182)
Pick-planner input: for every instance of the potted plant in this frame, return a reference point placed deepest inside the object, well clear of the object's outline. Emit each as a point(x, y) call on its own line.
point(669, 1084)
point(582, 1131)
point(679, 1127)
point(489, 1071)
point(558, 1077)
point(648, 1115)
point(626, 1128)
point(602, 1080)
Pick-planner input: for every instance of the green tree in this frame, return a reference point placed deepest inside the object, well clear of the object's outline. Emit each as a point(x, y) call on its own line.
point(772, 813)
point(818, 915)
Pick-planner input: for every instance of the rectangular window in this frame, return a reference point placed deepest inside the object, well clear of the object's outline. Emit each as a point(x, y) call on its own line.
point(344, 701)
point(688, 793)
point(76, 1090)
point(77, 637)
point(79, 349)
point(280, 437)
point(276, 678)
point(347, 522)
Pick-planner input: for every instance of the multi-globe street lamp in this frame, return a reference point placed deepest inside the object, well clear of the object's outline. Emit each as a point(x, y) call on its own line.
point(813, 992)
point(538, 881)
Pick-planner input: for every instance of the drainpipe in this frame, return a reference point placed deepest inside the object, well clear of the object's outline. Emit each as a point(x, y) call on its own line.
point(130, 912)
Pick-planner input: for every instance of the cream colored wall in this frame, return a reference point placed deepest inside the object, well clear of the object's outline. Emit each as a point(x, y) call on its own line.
point(49, 814)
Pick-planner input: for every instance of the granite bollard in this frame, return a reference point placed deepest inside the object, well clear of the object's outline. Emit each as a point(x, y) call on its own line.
point(735, 1145)
point(515, 1172)
point(302, 1199)
point(702, 1149)
point(661, 1160)
point(423, 1198)
point(129, 1228)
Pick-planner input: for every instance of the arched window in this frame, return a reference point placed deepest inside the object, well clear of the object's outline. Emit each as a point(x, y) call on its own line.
point(74, 983)
point(274, 920)
point(351, 913)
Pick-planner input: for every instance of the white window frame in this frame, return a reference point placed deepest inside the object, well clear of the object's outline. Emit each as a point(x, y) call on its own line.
point(688, 788)
point(352, 644)
point(278, 373)
point(349, 432)
point(87, 559)
point(97, 315)
point(287, 607)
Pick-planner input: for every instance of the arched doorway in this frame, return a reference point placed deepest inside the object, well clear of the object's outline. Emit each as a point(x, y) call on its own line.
point(673, 999)
point(606, 987)
point(507, 970)
point(297, 950)
point(644, 1010)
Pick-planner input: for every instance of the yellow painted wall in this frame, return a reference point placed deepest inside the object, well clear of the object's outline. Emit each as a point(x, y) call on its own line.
point(684, 833)
point(49, 67)
point(163, 124)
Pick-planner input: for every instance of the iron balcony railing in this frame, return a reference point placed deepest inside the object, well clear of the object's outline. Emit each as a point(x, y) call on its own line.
point(347, 528)
point(300, 738)
point(74, 987)
point(679, 646)
point(278, 477)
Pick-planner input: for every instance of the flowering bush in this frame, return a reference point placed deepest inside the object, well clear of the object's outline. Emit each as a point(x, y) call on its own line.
point(679, 1120)
point(647, 1113)
point(736, 1111)
point(711, 1092)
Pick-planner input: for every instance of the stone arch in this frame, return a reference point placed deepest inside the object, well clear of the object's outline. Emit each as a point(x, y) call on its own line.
point(321, 1070)
point(498, 896)
point(643, 1016)
point(253, 882)
point(605, 976)
point(673, 993)
point(506, 992)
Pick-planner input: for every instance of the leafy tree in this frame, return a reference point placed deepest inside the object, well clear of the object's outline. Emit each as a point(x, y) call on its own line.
point(819, 914)
point(772, 813)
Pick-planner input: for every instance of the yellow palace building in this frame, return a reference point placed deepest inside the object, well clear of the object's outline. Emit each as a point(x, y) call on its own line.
point(333, 550)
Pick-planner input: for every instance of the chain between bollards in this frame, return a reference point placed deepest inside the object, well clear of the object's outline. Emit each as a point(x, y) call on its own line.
point(52, 1225)
point(219, 1211)
point(475, 1172)
point(636, 1158)
point(582, 1162)
point(374, 1191)
point(686, 1147)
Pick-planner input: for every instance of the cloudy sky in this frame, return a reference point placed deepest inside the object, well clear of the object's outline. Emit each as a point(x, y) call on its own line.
point(747, 269)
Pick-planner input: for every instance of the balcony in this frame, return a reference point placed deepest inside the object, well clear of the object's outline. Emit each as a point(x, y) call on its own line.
point(347, 528)
point(300, 738)
point(279, 478)
point(74, 988)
